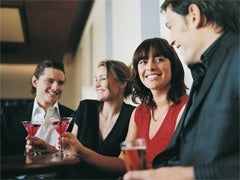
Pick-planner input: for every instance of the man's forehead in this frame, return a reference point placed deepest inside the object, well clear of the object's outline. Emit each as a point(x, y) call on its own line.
point(51, 74)
point(167, 16)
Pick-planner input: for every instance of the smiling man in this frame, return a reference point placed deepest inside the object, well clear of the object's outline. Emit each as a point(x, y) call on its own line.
point(47, 85)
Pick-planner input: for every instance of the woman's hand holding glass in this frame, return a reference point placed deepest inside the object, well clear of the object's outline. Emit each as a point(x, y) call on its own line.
point(61, 125)
point(71, 144)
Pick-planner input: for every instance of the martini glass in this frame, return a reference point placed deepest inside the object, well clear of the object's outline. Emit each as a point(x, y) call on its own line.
point(61, 125)
point(31, 128)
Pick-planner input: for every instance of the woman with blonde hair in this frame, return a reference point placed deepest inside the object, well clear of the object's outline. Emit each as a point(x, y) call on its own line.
point(100, 125)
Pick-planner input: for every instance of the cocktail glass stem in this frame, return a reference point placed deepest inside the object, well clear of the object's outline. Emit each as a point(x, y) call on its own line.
point(60, 148)
point(61, 125)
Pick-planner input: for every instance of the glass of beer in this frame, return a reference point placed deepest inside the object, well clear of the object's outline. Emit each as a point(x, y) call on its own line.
point(135, 154)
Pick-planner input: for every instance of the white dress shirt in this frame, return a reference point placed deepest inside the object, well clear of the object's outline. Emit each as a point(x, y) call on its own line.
point(46, 132)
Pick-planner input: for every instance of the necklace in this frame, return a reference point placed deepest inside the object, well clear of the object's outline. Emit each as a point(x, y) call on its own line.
point(164, 113)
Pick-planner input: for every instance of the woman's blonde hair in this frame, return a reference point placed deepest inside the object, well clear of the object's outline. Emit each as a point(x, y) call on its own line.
point(120, 71)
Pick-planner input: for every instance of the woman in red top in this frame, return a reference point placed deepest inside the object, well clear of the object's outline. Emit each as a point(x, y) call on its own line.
point(158, 82)
point(158, 79)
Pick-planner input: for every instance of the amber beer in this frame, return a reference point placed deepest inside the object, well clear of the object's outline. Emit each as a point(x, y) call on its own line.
point(134, 154)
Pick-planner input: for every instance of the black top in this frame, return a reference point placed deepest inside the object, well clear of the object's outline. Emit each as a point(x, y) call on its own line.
point(87, 119)
point(13, 133)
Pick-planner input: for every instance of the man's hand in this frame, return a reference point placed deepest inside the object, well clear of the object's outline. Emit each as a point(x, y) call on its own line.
point(38, 145)
point(170, 173)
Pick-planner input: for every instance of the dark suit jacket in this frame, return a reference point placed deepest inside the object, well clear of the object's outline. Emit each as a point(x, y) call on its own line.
point(12, 131)
point(209, 138)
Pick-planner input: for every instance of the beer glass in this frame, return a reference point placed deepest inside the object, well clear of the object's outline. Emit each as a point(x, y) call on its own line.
point(135, 154)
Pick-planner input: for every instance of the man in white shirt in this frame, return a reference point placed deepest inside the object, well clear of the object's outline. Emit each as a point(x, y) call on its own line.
point(48, 85)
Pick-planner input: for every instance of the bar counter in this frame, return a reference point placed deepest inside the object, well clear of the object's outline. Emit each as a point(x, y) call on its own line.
point(13, 166)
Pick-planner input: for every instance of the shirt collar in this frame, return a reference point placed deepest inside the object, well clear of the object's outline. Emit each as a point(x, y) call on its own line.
point(198, 72)
point(37, 109)
point(207, 56)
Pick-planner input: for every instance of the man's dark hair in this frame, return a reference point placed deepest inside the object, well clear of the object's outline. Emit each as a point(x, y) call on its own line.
point(224, 13)
point(50, 63)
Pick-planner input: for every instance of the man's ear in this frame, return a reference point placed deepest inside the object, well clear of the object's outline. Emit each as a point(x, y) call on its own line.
point(34, 81)
point(195, 16)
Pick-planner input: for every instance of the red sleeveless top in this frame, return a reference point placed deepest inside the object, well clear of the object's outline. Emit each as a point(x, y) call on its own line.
point(160, 140)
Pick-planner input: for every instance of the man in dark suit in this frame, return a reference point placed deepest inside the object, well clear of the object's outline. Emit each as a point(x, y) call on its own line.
point(47, 85)
point(207, 145)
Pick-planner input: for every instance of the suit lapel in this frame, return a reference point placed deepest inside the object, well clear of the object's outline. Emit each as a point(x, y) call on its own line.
point(26, 113)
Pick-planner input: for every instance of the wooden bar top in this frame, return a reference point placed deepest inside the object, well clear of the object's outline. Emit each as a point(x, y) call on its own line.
point(12, 166)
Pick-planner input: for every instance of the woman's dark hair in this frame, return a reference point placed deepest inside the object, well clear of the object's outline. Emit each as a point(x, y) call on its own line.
point(224, 13)
point(120, 71)
point(46, 64)
point(160, 47)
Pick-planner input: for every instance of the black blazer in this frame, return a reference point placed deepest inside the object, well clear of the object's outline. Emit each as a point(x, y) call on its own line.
point(209, 139)
point(12, 131)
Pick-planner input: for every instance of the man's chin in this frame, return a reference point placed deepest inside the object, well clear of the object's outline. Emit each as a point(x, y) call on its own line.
point(53, 100)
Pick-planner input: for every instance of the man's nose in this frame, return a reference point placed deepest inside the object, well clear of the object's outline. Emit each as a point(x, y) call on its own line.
point(55, 86)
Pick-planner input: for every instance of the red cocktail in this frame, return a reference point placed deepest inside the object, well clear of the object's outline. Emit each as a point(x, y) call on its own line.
point(61, 125)
point(31, 128)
